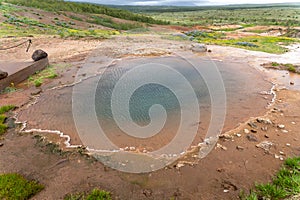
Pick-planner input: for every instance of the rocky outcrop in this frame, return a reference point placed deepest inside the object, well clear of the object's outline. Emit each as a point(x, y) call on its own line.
point(38, 55)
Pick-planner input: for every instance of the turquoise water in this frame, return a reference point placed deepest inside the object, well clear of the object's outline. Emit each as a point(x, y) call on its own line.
point(243, 85)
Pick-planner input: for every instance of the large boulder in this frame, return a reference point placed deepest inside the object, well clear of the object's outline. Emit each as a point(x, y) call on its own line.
point(3, 74)
point(199, 48)
point(38, 55)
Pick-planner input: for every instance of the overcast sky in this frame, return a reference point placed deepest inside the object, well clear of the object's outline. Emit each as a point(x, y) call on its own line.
point(183, 2)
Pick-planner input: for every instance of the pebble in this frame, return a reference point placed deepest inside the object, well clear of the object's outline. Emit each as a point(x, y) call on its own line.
point(292, 83)
point(284, 131)
point(288, 144)
point(293, 123)
point(267, 136)
point(253, 131)
point(246, 131)
point(252, 124)
point(281, 126)
point(264, 120)
point(240, 148)
point(221, 147)
point(252, 138)
point(239, 135)
point(226, 136)
point(179, 165)
point(132, 148)
point(1, 144)
point(265, 145)
point(36, 91)
point(225, 191)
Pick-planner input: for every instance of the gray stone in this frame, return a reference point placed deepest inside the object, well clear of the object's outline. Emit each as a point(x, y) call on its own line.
point(199, 48)
point(264, 120)
point(38, 55)
point(252, 138)
point(265, 145)
point(252, 124)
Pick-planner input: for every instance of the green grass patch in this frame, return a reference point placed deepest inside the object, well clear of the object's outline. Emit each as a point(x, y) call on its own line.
point(3, 110)
point(38, 78)
point(14, 186)
point(286, 183)
point(86, 8)
point(290, 67)
point(95, 194)
point(7, 108)
point(22, 26)
point(269, 44)
point(283, 16)
point(108, 22)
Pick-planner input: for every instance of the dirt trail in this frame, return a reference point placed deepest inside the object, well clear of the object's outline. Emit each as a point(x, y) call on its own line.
point(235, 164)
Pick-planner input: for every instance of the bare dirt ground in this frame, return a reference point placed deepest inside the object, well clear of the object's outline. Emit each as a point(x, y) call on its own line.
point(236, 163)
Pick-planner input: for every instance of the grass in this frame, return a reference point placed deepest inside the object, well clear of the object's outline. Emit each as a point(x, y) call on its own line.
point(38, 78)
point(290, 67)
point(95, 194)
point(284, 16)
point(269, 44)
point(286, 183)
point(14, 186)
point(58, 5)
point(7, 108)
point(3, 110)
point(108, 22)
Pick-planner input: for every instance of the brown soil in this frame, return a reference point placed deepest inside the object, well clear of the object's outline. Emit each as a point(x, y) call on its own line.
point(234, 165)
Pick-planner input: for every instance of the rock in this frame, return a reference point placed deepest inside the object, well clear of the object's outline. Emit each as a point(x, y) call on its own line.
point(240, 148)
point(1, 144)
point(246, 131)
point(294, 123)
point(36, 91)
point(179, 165)
point(288, 144)
point(279, 157)
point(253, 131)
point(3, 74)
point(226, 136)
point(221, 147)
point(264, 120)
point(225, 191)
point(239, 135)
point(199, 48)
point(209, 50)
point(281, 126)
point(220, 170)
point(38, 55)
point(147, 192)
point(265, 145)
point(292, 83)
point(266, 136)
point(252, 138)
point(132, 148)
point(284, 131)
point(252, 125)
